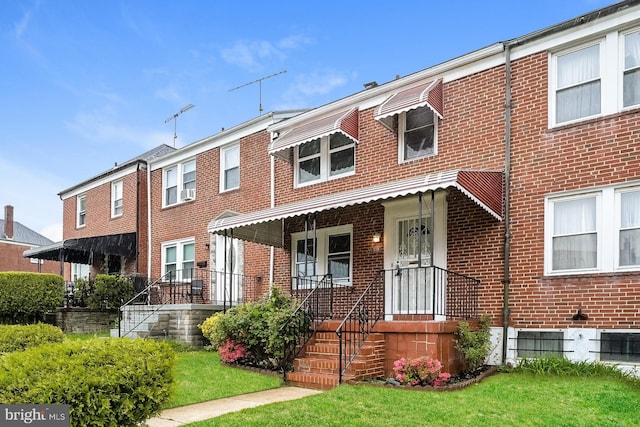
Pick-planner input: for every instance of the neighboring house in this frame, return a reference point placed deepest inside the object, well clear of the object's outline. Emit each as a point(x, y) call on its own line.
point(15, 238)
point(503, 182)
point(105, 221)
point(215, 177)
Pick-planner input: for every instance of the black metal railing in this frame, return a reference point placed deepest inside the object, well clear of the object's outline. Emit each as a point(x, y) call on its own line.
point(431, 290)
point(359, 322)
point(316, 295)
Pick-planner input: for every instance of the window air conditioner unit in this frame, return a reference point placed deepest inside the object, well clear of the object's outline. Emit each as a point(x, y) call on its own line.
point(188, 194)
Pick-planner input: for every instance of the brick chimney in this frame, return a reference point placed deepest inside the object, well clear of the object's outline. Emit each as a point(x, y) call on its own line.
point(8, 222)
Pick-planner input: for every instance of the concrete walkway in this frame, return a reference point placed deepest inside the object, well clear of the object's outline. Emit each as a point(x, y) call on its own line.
point(205, 410)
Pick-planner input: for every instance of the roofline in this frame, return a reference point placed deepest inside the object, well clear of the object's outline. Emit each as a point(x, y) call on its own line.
point(117, 168)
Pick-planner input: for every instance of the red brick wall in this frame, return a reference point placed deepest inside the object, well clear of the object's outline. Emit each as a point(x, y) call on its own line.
point(591, 153)
point(11, 259)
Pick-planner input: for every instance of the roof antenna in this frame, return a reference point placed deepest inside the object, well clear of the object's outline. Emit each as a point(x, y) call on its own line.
point(175, 121)
point(259, 81)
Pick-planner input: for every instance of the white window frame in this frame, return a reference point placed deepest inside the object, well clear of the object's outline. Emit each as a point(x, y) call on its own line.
point(325, 161)
point(180, 181)
point(179, 246)
point(224, 167)
point(402, 125)
point(117, 187)
point(322, 250)
point(622, 68)
point(608, 207)
point(81, 214)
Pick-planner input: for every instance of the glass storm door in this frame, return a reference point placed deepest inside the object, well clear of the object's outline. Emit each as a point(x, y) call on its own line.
point(228, 278)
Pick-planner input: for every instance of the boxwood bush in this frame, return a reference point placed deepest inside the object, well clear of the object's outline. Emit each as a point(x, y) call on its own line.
point(25, 297)
point(105, 381)
point(19, 337)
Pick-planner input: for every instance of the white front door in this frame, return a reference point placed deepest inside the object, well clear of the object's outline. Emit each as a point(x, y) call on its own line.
point(227, 275)
point(410, 232)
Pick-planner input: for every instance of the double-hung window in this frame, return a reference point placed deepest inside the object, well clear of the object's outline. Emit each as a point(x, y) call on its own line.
point(631, 70)
point(417, 133)
point(331, 252)
point(116, 198)
point(578, 84)
point(230, 167)
point(81, 211)
point(178, 259)
point(179, 183)
point(325, 158)
point(596, 231)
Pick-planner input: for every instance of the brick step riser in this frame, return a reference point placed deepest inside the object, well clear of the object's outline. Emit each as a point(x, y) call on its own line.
point(332, 366)
point(333, 336)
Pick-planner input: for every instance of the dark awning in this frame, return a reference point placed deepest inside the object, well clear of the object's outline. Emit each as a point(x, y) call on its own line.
point(265, 226)
point(81, 250)
point(344, 121)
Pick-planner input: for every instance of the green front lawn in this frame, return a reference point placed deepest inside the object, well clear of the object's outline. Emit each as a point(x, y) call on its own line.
point(506, 399)
point(199, 376)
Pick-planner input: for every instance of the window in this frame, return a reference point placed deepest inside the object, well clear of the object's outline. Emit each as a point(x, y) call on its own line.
point(620, 347)
point(540, 343)
point(116, 199)
point(81, 210)
point(179, 183)
point(631, 72)
point(417, 133)
point(598, 231)
point(325, 158)
point(331, 253)
point(578, 85)
point(230, 167)
point(178, 259)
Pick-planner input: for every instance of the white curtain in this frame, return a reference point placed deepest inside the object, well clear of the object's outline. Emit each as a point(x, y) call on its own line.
point(630, 228)
point(632, 73)
point(575, 237)
point(578, 84)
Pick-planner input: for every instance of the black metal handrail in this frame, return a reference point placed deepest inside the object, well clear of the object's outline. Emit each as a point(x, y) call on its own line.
point(432, 290)
point(359, 322)
point(316, 306)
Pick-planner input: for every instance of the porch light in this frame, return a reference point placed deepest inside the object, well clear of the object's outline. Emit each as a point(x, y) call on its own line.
point(377, 238)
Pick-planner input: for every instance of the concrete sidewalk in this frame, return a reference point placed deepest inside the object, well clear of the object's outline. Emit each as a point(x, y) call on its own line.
point(205, 410)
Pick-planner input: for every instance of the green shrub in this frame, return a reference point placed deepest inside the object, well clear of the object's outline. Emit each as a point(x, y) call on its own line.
point(256, 326)
point(25, 297)
point(20, 337)
point(474, 344)
point(105, 382)
point(108, 292)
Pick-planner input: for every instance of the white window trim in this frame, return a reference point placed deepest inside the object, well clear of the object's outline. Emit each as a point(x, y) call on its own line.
point(325, 164)
point(517, 336)
point(178, 244)
point(607, 228)
point(621, 68)
point(78, 211)
point(402, 124)
point(179, 182)
point(323, 250)
point(113, 198)
point(223, 166)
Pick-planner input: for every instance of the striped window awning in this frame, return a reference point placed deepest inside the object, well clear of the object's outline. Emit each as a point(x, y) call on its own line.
point(344, 121)
point(427, 94)
point(266, 226)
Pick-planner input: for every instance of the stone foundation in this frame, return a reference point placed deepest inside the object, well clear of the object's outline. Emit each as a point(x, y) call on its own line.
point(79, 320)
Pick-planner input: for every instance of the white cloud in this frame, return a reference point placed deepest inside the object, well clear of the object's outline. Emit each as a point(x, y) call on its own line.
point(169, 93)
point(295, 41)
point(21, 26)
point(301, 92)
point(251, 54)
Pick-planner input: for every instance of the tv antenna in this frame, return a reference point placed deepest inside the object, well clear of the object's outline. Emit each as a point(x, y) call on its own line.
point(175, 121)
point(260, 82)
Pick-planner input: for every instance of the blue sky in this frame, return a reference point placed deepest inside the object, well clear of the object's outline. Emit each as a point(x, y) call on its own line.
point(85, 84)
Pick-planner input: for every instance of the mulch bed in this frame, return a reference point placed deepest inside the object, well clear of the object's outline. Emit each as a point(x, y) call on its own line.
point(456, 382)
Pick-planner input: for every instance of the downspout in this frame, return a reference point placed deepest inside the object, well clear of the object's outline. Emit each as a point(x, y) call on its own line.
point(149, 207)
point(137, 215)
point(506, 281)
point(272, 204)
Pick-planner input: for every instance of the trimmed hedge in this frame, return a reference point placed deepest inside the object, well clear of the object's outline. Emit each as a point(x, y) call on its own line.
point(106, 382)
point(19, 337)
point(25, 297)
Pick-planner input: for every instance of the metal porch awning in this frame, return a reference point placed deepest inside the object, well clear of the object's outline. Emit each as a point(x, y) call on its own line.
point(427, 94)
point(80, 250)
point(344, 121)
point(266, 227)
